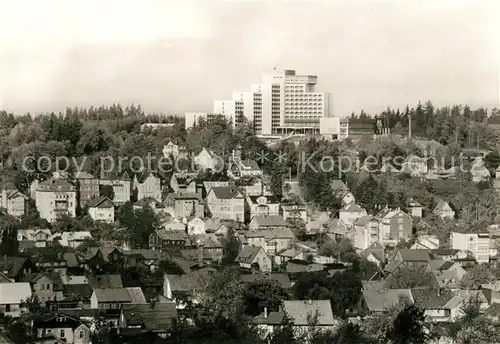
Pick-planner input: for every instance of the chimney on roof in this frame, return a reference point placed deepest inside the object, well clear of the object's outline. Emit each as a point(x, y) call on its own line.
point(265, 312)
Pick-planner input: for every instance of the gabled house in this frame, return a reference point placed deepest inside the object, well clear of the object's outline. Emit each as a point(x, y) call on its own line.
point(261, 222)
point(12, 298)
point(55, 198)
point(366, 230)
point(350, 212)
point(342, 192)
point(294, 211)
point(439, 305)
point(317, 221)
point(57, 327)
point(374, 253)
point(13, 201)
point(376, 301)
point(208, 160)
point(102, 209)
point(47, 286)
point(149, 317)
point(271, 240)
point(39, 237)
point(16, 268)
point(426, 242)
point(148, 184)
point(396, 225)
point(239, 168)
point(478, 171)
point(122, 186)
point(415, 166)
point(253, 186)
point(226, 203)
point(170, 149)
point(72, 239)
point(215, 180)
point(261, 206)
point(476, 242)
point(254, 258)
point(114, 298)
point(105, 282)
point(414, 208)
point(182, 183)
point(195, 226)
point(88, 186)
point(443, 210)
point(303, 312)
point(186, 204)
point(162, 239)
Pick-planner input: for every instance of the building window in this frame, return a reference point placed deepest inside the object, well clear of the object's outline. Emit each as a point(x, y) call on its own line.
point(80, 334)
point(62, 334)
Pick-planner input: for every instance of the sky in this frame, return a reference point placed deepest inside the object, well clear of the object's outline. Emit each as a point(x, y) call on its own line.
point(178, 56)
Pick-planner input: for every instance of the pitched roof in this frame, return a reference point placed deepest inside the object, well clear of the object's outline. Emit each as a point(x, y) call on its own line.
point(12, 265)
point(269, 221)
point(189, 282)
point(408, 255)
point(14, 293)
point(101, 202)
point(132, 295)
point(301, 312)
point(83, 175)
point(352, 208)
point(157, 317)
point(440, 205)
point(248, 254)
point(380, 300)
point(77, 291)
point(273, 318)
point(105, 282)
point(431, 298)
point(55, 185)
point(269, 199)
point(225, 192)
point(273, 233)
point(249, 165)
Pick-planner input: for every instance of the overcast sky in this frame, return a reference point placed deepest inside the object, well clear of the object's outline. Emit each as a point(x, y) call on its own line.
point(178, 56)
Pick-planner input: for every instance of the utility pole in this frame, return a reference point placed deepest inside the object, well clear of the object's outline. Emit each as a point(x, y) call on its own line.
point(409, 125)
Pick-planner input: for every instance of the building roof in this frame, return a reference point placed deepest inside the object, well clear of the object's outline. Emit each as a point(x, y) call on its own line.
point(55, 185)
point(83, 175)
point(172, 235)
point(105, 282)
point(249, 165)
point(156, 317)
point(12, 265)
point(14, 293)
point(273, 318)
point(352, 208)
point(101, 202)
point(444, 251)
point(132, 295)
point(428, 298)
point(380, 300)
point(269, 221)
point(225, 192)
point(194, 280)
point(440, 205)
point(301, 312)
point(409, 255)
point(269, 199)
point(248, 254)
point(77, 291)
point(273, 233)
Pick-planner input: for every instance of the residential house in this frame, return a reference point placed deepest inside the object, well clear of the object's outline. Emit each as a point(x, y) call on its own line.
point(307, 313)
point(189, 285)
point(17, 267)
point(88, 186)
point(114, 298)
point(271, 240)
point(102, 209)
point(374, 253)
point(226, 203)
point(72, 239)
point(396, 225)
point(13, 201)
point(478, 171)
point(350, 212)
point(54, 198)
point(254, 257)
point(97, 258)
point(268, 321)
point(148, 184)
point(149, 317)
point(267, 222)
point(76, 296)
point(170, 150)
point(12, 297)
point(216, 226)
point(317, 221)
point(122, 186)
point(57, 327)
point(208, 160)
point(261, 206)
point(414, 208)
point(187, 204)
point(217, 180)
point(47, 286)
point(342, 192)
point(174, 225)
point(448, 254)
point(294, 211)
point(39, 237)
point(162, 239)
point(253, 186)
point(405, 258)
point(415, 166)
point(476, 242)
point(105, 282)
point(183, 183)
point(378, 300)
point(239, 168)
point(149, 202)
point(438, 305)
point(366, 230)
point(443, 210)
point(195, 226)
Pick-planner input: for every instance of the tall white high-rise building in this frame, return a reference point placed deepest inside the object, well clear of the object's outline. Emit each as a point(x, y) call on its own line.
point(282, 103)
